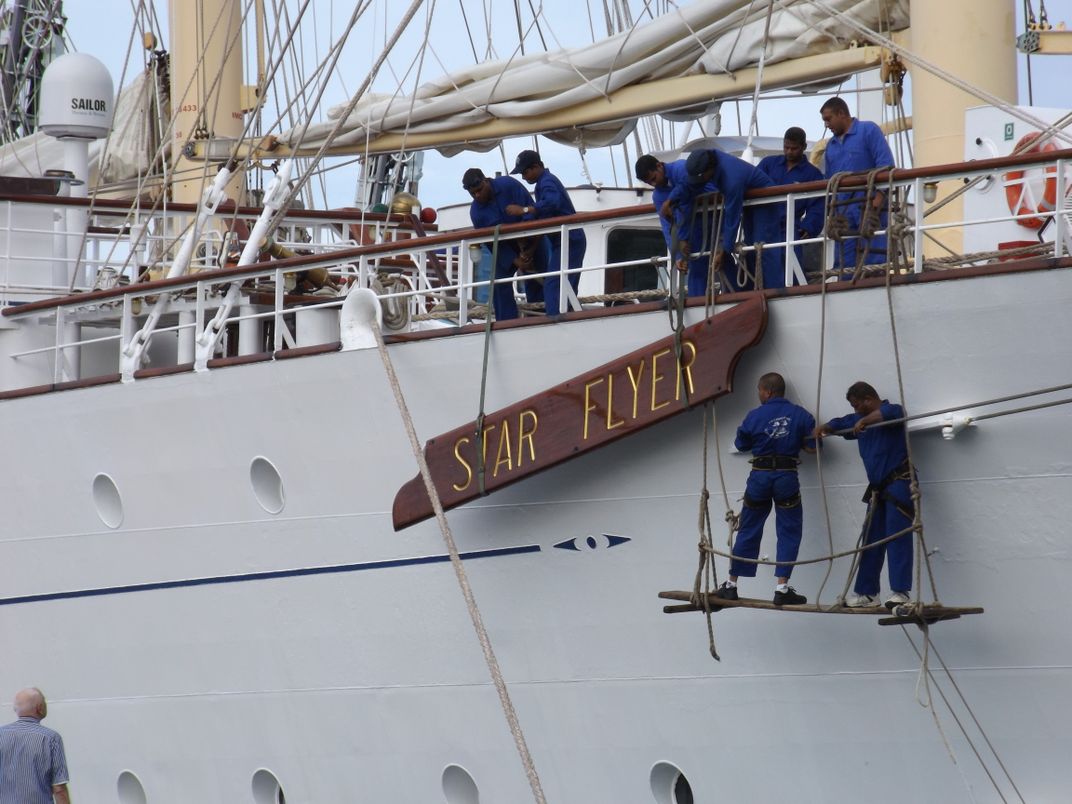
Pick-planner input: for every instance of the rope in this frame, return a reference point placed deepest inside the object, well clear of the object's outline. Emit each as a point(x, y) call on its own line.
point(706, 572)
point(479, 435)
point(803, 561)
point(925, 669)
point(818, 451)
point(460, 574)
point(949, 674)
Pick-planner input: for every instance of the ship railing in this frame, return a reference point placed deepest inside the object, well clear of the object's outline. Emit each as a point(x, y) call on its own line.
point(437, 269)
point(130, 242)
point(915, 191)
point(293, 320)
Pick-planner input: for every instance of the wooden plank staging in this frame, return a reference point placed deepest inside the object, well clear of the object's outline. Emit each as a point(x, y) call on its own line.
point(930, 614)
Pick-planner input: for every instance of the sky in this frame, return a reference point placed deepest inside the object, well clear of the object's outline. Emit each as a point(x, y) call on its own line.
point(101, 27)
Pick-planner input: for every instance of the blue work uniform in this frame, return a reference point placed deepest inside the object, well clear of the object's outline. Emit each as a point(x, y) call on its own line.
point(733, 177)
point(810, 213)
point(505, 191)
point(676, 174)
point(885, 457)
point(775, 432)
point(552, 200)
point(862, 147)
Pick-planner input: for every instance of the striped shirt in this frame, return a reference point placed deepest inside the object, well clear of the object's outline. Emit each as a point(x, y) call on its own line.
point(31, 761)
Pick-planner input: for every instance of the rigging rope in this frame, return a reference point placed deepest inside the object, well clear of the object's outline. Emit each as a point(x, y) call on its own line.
point(460, 573)
point(753, 124)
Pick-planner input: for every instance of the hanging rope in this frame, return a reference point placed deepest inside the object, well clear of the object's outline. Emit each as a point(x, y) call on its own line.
point(931, 647)
point(479, 435)
point(459, 572)
point(753, 124)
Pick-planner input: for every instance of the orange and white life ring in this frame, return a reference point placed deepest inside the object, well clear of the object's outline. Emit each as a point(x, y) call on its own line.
point(1018, 193)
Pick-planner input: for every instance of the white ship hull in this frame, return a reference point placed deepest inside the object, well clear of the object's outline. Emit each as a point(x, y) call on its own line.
point(321, 645)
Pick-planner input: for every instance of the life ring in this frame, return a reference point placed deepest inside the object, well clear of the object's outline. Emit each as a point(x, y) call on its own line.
point(1018, 194)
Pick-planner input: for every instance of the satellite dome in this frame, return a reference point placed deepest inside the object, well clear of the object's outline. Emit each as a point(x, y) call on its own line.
point(77, 98)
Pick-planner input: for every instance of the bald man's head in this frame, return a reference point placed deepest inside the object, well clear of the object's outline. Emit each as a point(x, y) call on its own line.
point(30, 702)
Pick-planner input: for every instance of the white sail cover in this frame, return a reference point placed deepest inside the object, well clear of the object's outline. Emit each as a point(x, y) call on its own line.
point(712, 37)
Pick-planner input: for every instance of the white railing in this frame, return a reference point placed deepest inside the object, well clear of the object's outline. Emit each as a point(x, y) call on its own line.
point(250, 301)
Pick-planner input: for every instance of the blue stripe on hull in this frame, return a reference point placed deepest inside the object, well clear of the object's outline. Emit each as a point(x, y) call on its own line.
point(264, 576)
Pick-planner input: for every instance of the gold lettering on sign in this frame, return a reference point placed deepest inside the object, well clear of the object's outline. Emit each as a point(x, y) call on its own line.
point(656, 378)
point(524, 435)
point(504, 447)
point(588, 406)
point(464, 463)
point(685, 366)
point(635, 382)
point(611, 424)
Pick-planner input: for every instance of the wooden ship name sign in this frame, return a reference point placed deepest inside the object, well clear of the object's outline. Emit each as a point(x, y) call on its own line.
point(586, 412)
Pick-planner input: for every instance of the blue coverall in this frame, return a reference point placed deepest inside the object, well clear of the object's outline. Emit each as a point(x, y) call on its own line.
point(733, 177)
point(810, 213)
point(507, 190)
point(885, 456)
point(775, 428)
point(862, 147)
point(552, 200)
point(696, 280)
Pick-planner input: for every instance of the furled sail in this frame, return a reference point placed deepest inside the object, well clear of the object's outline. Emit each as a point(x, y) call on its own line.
point(717, 37)
point(128, 152)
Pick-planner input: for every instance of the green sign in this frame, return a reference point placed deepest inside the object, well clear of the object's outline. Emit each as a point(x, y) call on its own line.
point(1008, 131)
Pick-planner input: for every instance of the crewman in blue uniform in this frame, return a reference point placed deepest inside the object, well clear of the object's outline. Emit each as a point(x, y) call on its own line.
point(793, 167)
point(552, 201)
point(775, 432)
point(663, 177)
point(733, 177)
point(491, 197)
point(856, 145)
point(885, 455)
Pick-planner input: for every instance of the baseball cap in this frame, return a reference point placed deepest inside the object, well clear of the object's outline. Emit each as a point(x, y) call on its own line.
point(697, 164)
point(525, 160)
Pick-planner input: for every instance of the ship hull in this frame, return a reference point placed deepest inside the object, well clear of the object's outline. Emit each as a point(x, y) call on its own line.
point(204, 638)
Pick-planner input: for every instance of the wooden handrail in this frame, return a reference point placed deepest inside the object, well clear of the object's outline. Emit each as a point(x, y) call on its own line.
point(446, 238)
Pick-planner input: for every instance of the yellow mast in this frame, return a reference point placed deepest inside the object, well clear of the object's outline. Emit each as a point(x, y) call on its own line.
point(206, 89)
point(971, 39)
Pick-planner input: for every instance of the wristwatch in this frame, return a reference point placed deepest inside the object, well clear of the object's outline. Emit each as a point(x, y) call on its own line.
point(526, 210)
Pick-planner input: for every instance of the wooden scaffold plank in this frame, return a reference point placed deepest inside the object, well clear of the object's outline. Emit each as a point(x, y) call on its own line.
point(900, 615)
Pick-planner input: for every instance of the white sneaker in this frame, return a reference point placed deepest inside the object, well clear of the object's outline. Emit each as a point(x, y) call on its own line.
point(896, 599)
point(861, 601)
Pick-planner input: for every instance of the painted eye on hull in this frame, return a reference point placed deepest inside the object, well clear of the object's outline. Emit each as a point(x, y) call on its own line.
point(592, 542)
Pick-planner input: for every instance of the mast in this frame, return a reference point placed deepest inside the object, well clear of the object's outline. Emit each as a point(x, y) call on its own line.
point(206, 89)
point(972, 39)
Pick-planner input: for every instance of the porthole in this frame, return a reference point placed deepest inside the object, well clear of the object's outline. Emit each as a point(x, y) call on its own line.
point(129, 789)
point(267, 789)
point(267, 485)
point(669, 785)
point(107, 501)
point(459, 787)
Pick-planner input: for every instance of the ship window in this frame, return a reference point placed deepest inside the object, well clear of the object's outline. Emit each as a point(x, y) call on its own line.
point(129, 789)
point(459, 787)
point(625, 244)
point(267, 485)
point(669, 785)
point(267, 789)
point(107, 500)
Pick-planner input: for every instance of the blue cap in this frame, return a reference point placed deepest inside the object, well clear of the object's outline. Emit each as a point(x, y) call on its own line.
point(525, 160)
point(698, 163)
